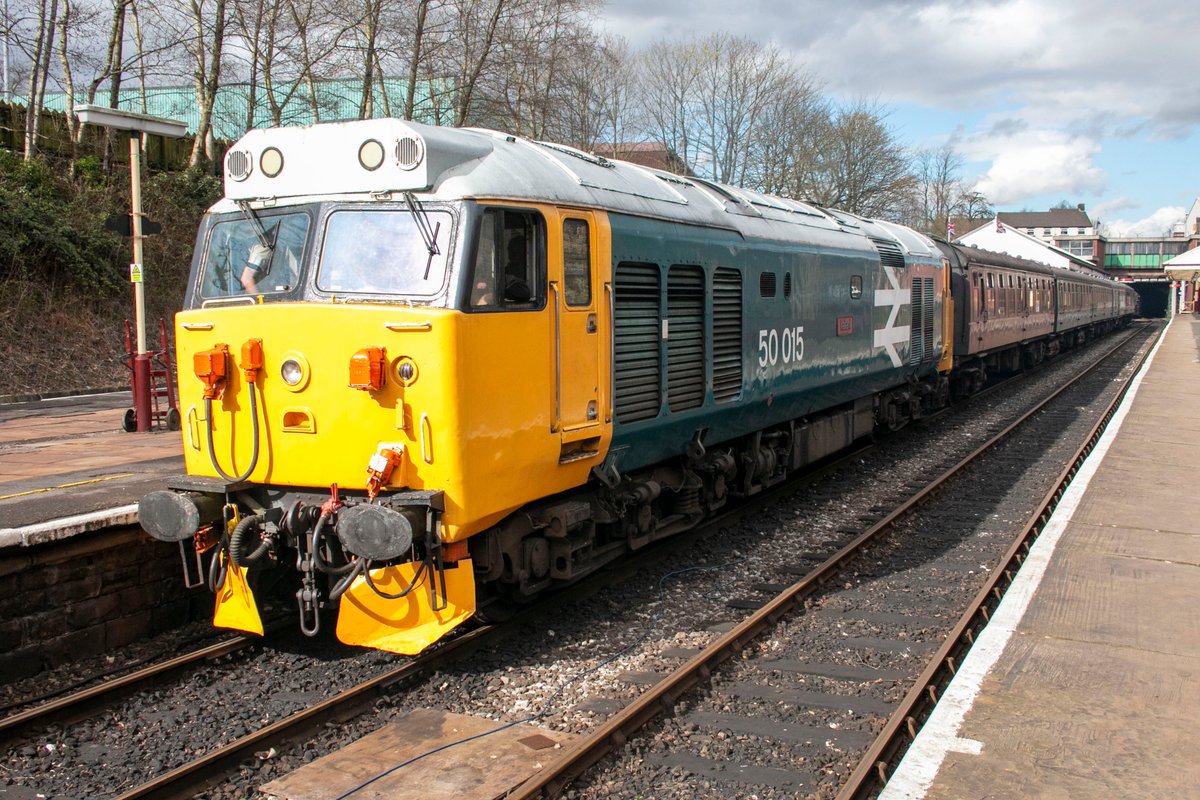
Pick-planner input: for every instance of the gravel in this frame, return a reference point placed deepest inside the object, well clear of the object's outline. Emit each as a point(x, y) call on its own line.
point(584, 653)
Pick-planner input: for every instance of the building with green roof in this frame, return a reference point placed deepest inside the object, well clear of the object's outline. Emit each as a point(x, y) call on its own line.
point(335, 100)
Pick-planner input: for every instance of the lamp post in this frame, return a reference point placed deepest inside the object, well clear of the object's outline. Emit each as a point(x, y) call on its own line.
point(138, 125)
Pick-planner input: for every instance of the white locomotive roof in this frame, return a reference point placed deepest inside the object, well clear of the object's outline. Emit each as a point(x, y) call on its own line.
point(326, 161)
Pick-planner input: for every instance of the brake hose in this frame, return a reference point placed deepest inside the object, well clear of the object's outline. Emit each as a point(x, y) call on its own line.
point(404, 592)
point(238, 544)
point(314, 548)
point(212, 456)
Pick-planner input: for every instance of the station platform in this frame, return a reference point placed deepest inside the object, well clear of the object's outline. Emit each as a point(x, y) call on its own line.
point(67, 467)
point(1086, 681)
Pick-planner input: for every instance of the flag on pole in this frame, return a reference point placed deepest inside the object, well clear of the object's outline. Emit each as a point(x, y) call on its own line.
point(949, 229)
point(999, 225)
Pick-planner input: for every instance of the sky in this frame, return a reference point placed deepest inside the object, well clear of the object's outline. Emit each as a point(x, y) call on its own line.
point(1087, 101)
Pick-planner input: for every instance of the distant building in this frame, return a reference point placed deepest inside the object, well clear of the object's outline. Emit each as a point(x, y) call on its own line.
point(1000, 237)
point(1070, 232)
point(1069, 229)
point(334, 100)
point(655, 155)
point(1047, 225)
point(1191, 224)
point(1141, 258)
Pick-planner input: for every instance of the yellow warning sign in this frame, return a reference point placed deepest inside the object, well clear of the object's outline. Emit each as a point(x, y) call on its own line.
point(135, 273)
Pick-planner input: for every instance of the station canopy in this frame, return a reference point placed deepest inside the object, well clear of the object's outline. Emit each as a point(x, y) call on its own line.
point(1185, 266)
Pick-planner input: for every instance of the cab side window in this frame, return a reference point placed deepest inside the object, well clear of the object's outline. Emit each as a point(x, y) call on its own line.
point(577, 262)
point(508, 273)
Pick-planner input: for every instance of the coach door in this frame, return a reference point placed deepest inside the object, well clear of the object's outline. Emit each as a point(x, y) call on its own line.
point(579, 339)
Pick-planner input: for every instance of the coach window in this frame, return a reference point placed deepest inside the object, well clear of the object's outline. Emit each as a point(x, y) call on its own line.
point(509, 262)
point(577, 262)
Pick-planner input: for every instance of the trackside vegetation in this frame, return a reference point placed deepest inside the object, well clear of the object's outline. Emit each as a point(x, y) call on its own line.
point(64, 278)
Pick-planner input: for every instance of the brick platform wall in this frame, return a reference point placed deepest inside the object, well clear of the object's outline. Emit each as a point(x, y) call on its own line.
point(93, 594)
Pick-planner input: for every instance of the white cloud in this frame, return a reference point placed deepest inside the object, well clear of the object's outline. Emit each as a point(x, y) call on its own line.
point(1032, 90)
point(1109, 208)
point(1157, 224)
point(1082, 64)
point(1026, 163)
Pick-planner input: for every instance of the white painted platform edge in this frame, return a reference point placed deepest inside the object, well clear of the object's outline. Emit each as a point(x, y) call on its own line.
point(65, 528)
point(939, 736)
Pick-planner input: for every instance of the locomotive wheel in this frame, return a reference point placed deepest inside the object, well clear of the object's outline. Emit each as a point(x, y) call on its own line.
point(129, 421)
point(173, 419)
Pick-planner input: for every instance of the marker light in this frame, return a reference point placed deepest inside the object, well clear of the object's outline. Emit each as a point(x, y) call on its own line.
point(211, 367)
point(252, 359)
point(271, 162)
point(370, 154)
point(406, 371)
point(366, 369)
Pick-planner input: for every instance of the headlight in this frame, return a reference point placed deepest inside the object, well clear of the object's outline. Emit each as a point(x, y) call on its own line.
point(292, 372)
point(370, 155)
point(271, 162)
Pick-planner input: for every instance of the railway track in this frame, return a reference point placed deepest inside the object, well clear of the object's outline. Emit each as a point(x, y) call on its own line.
point(215, 765)
point(768, 697)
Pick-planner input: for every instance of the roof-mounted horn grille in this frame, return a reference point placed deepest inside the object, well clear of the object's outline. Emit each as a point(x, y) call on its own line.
point(239, 164)
point(408, 152)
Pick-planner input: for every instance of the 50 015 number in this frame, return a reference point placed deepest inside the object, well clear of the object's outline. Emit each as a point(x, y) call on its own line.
point(776, 347)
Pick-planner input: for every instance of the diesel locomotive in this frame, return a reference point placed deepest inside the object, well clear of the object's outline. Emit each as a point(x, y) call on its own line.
point(428, 371)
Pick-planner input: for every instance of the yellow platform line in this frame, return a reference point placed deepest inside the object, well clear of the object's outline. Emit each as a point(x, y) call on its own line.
point(65, 486)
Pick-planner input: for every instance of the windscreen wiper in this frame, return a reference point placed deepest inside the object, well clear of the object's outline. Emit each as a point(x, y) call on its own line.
point(253, 219)
point(429, 232)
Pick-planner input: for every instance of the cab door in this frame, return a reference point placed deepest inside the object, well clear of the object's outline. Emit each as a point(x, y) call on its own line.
point(580, 342)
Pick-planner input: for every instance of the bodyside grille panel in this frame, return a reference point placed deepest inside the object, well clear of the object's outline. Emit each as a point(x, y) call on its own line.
point(685, 337)
point(637, 370)
point(727, 334)
point(921, 331)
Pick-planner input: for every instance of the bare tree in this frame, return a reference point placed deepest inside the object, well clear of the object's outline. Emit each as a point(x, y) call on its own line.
point(64, 27)
point(863, 168)
point(284, 40)
point(669, 75)
point(541, 80)
point(937, 187)
point(738, 80)
point(369, 28)
point(206, 48)
point(414, 63)
point(476, 23)
point(39, 73)
point(974, 206)
point(599, 103)
point(788, 139)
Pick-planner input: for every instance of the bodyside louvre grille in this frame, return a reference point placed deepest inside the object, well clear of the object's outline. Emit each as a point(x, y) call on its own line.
point(685, 338)
point(921, 330)
point(637, 371)
point(916, 329)
point(890, 254)
point(928, 320)
point(727, 334)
